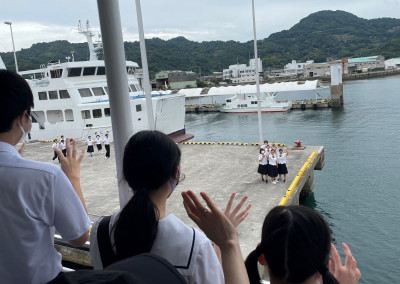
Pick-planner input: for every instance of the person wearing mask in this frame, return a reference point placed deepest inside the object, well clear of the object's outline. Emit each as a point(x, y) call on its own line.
point(282, 169)
point(263, 165)
point(35, 198)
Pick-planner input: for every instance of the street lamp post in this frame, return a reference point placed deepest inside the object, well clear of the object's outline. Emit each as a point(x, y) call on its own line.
point(12, 38)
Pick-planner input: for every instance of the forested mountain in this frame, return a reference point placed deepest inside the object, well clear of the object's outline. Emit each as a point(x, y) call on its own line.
point(321, 35)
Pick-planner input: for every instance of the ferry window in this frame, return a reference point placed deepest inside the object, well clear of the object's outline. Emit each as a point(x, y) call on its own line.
point(133, 88)
point(42, 96)
point(54, 116)
point(228, 101)
point(38, 116)
point(85, 114)
point(130, 70)
point(88, 71)
point(53, 95)
point(101, 71)
point(98, 91)
point(69, 115)
point(138, 108)
point(85, 92)
point(138, 88)
point(238, 105)
point(64, 94)
point(97, 113)
point(56, 73)
point(74, 72)
point(107, 112)
point(106, 89)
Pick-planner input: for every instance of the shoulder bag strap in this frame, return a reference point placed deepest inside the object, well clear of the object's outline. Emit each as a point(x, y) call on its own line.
point(103, 239)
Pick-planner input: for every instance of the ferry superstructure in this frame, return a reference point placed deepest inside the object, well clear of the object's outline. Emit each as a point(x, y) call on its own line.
point(72, 99)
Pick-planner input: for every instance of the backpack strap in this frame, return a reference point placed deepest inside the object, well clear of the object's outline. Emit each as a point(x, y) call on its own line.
point(103, 239)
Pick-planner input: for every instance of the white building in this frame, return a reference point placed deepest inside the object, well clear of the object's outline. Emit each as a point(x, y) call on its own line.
point(240, 73)
point(392, 64)
point(295, 68)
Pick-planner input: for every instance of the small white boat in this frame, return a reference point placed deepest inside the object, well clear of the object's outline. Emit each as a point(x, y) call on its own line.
point(249, 104)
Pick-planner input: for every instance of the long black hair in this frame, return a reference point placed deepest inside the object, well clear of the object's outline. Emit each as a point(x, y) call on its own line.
point(295, 244)
point(150, 160)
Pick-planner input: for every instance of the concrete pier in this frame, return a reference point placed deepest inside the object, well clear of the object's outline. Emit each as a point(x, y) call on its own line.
point(217, 169)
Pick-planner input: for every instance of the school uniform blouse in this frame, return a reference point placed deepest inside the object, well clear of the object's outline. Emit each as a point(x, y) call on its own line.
point(281, 158)
point(106, 141)
point(188, 249)
point(264, 160)
point(54, 146)
point(272, 159)
point(89, 142)
point(98, 141)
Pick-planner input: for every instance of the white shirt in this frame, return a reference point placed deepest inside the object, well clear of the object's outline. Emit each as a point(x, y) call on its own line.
point(54, 146)
point(272, 159)
point(106, 141)
point(63, 146)
point(35, 198)
point(98, 140)
point(189, 250)
point(89, 142)
point(264, 160)
point(281, 158)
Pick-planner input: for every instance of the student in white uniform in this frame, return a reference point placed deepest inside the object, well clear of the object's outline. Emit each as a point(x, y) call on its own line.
point(107, 146)
point(263, 146)
point(143, 225)
point(272, 166)
point(63, 147)
point(89, 142)
point(263, 165)
point(295, 247)
point(35, 198)
point(98, 144)
point(282, 169)
point(54, 147)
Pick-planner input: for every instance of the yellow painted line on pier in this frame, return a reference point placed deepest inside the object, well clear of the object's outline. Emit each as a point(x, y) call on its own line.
point(233, 143)
point(277, 144)
point(199, 143)
point(296, 179)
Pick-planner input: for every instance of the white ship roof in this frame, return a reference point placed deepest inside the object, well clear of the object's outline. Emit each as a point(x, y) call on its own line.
point(251, 89)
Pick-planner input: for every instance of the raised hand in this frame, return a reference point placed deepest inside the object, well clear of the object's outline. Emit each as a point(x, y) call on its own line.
point(347, 273)
point(235, 217)
point(22, 149)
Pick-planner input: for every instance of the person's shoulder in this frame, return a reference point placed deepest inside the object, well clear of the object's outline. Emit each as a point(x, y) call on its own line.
point(42, 167)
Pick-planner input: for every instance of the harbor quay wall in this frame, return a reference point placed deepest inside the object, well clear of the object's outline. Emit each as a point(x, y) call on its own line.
point(215, 168)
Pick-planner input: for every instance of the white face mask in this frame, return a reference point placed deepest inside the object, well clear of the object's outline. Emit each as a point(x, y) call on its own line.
point(262, 152)
point(23, 131)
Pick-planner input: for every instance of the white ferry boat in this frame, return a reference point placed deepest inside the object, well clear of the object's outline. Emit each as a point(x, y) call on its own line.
point(249, 104)
point(71, 99)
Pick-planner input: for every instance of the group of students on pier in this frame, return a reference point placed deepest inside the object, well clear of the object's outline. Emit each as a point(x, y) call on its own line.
point(36, 198)
point(98, 141)
point(272, 162)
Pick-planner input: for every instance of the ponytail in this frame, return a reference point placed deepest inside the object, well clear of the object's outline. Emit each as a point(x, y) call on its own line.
point(251, 265)
point(136, 228)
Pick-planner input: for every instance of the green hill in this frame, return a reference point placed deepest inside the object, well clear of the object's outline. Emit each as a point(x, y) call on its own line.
point(321, 35)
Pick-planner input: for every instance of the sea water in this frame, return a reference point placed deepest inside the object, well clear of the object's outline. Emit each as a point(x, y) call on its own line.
point(358, 190)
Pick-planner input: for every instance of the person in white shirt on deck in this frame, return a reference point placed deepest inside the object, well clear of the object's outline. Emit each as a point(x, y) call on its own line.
point(89, 142)
point(63, 147)
point(54, 147)
point(143, 225)
point(35, 198)
point(263, 165)
point(272, 166)
point(107, 142)
point(282, 169)
point(98, 144)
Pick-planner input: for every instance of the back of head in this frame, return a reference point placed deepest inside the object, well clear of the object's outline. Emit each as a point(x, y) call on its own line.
point(295, 245)
point(15, 97)
point(150, 160)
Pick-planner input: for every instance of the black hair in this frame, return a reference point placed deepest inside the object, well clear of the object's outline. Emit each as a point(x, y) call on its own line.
point(15, 97)
point(266, 141)
point(262, 149)
point(150, 160)
point(295, 244)
point(280, 149)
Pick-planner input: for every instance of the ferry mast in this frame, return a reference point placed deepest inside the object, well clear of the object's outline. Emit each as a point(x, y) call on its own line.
point(93, 48)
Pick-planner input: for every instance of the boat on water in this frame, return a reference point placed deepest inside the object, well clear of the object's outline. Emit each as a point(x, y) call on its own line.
point(249, 104)
point(72, 99)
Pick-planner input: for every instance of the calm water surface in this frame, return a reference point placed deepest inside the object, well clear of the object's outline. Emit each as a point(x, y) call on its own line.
point(358, 189)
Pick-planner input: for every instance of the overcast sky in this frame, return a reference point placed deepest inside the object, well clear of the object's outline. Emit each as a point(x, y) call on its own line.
point(205, 20)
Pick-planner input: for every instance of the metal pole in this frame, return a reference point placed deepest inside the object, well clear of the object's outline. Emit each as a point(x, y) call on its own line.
point(12, 38)
point(117, 80)
point(146, 78)
point(257, 78)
